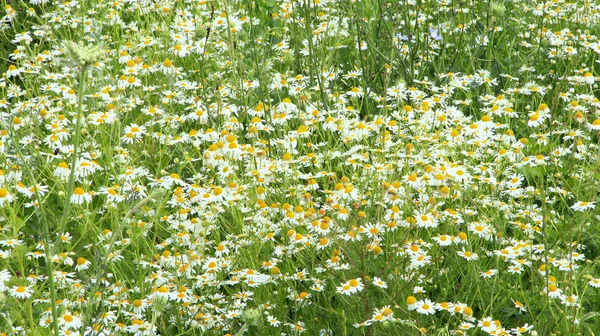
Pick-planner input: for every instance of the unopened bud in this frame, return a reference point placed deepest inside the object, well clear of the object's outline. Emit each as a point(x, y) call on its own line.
point(497, 9)
point(84, 54)
point(253, 317)
point(159, 303)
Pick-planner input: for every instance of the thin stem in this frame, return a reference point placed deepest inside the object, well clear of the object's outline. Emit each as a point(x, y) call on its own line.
point(71, 182)
point(242, 329)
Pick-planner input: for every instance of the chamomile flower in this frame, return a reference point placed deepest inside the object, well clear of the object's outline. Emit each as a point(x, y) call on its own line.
point(273, 321)
point(520, 306)
point(21, 292)
point(594, 282)
point(350, 287)
point(465, 326)
point(69, 321)
point(356, 284)
point(582, 206)
point(570, 300)
point(468, 255)
point(133, 133)
point(443, 240)
point(553, 291)
point(167, 67)
point(355, 92)
point(518, 331)
point(379, 283)
point(82, 264)
point(594, 125)
point(80, 196)
point(489, 273)
point(487, 324)
point(5, 196)
point(425, 307)
point(411, 302)
point(13, 71)
point(425, 220)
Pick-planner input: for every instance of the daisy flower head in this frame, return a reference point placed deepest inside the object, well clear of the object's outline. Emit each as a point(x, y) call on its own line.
point(379, 283)
point(447, 306)
point(69, 321)
point(139, 306)
point(350, 287)
point(372, 230)
point(419, 290)
point(570, 300)
point(80, 196)
point(356, 284)
point(5, 196)
point(535, 119)
point(419, 260)
point(82, 264)
point(489, 273)
point(425, 307)
point(11, 243)
point(582, 206)
point(443, 240)
point(461, 238)
point(133, 133)
point(520, 330)
point(411, 301)
point(466, 311)
point(520, 306)
point(468, 255)
point(553, 291)
point(594, 125)
point(383, 314)
point(425, 220)
point(465, 326)
point(481, 230)
point(21, 292)
point(167, 67)
point(487, 324)
point(273, 321)
point(355, 92)
point(317, 287)
point(62, 170)
point(139, 327)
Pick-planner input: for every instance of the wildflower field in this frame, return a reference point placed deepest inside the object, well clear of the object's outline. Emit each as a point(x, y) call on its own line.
point(287, 167)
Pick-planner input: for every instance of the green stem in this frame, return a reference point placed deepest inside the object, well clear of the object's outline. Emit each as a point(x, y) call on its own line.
point(71, 183)
point(242, 329)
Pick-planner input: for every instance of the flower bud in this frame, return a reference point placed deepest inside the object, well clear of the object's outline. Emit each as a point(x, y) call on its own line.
point(159, 303)
point(497, 9)
point(252, 316)
point(84, 55)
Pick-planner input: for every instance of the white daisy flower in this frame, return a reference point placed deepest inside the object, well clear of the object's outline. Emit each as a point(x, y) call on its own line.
point(5, 196)
point(20, 292)
point(80, 196)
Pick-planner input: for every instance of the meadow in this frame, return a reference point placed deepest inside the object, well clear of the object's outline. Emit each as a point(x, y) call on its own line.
point(288, 167)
